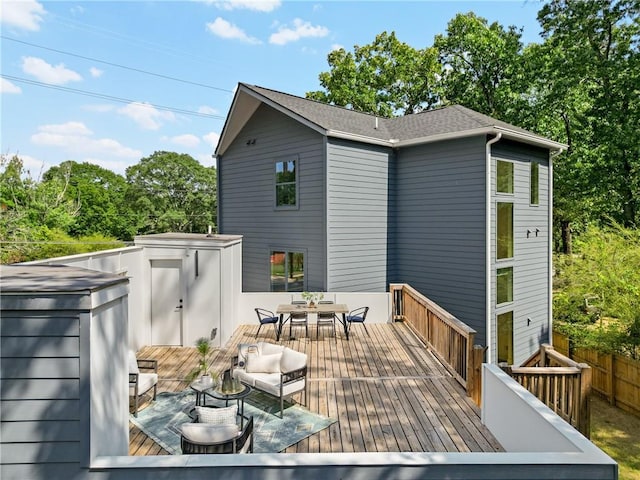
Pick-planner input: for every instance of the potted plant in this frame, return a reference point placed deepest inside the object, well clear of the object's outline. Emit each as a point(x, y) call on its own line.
point(312, 297)
point(204, 348)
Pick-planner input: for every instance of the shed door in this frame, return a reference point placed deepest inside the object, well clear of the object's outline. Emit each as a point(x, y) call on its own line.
point(166, 302)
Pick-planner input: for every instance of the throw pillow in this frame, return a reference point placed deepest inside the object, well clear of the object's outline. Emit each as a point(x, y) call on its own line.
point(292, 360)
point(217, 416)
point(133, 362)
point(263, 363)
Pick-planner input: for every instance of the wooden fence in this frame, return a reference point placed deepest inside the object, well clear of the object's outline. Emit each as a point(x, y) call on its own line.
point(615, 377)
point(447, 337)
point(560, 383)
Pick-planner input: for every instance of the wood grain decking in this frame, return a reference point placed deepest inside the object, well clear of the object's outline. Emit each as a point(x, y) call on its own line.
point(388, 392)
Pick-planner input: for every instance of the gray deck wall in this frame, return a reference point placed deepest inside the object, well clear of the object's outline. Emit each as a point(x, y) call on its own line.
point(357, 216)
point(439, 221)
point(531, 253)
point(247, 192)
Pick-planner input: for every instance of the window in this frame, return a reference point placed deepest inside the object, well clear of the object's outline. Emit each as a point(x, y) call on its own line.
point(286, 191)
point(505, 337)
point(534, 184)
point(504, 183)
point(504, 230)
point(287, 271)
point(504, 289)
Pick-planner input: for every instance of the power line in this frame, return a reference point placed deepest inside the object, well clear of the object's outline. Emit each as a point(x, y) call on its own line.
point(159, 75)
point(109, 97)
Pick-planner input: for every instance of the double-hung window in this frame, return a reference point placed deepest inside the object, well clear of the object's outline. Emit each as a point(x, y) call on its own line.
point(286, 183)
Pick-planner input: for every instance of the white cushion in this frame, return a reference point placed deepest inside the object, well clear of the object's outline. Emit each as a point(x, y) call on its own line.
point(263, 363)
point(292, 360)
point(274, 388)
point(218, 416)
point(133, 362)
point(244, 377)
point(267, 348)
point(145, 382)
point(206, 433)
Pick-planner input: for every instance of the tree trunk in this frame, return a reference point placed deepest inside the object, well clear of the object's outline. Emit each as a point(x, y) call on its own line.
point(566, 237)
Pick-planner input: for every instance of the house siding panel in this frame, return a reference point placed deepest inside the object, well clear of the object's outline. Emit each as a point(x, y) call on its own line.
point(531, 253)
point(357, 216)
point(40, 393)
point(439, 224)
point(247, 190)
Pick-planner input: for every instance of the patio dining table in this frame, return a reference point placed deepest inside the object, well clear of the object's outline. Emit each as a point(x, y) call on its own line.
point(288, 308)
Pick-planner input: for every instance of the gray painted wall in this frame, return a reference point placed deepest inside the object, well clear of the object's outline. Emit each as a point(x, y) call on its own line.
point(357, 216)
point(440, 225)
point(531, 254)
point(247, 192)
point(59, 365)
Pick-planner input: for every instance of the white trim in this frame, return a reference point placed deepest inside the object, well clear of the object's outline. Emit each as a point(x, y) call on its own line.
point(488, 269)
point(361, 138)
point(550, 240)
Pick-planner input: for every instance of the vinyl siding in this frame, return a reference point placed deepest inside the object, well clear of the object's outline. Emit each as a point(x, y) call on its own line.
point(40, 393)
point(247, 192)
point(439, 224)
point(357, 216)
point(531, 254)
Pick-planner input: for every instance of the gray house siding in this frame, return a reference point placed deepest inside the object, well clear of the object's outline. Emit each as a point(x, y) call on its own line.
point(439, 222)
point(247, 189)
point(40, 393)
point(531, 252)
point(357, 216)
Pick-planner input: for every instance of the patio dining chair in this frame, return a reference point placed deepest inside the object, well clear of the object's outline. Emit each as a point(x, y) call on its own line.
point(266, 317)
point(299, 319)
point(359, 315)
point(326, 319)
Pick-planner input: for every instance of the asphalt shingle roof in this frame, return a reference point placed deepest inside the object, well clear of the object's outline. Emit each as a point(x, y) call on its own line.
point(455, 118)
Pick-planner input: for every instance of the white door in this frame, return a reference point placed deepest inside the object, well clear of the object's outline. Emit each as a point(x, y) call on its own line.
point(166, 302)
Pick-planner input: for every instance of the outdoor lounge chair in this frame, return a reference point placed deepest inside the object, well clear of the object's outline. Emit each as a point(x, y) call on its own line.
point(220, 437)
point(141, 382)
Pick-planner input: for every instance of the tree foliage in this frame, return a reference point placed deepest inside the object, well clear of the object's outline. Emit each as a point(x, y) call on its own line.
point(387, 78)
point(172, 192)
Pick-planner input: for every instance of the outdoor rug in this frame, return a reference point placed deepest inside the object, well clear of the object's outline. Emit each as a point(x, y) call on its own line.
point(161, 420)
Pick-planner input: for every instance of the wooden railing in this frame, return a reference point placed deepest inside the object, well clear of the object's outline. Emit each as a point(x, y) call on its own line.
point(560, 383)
point(448, 338)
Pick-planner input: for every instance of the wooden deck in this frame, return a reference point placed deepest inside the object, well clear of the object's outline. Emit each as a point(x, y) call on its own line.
point(387, 391)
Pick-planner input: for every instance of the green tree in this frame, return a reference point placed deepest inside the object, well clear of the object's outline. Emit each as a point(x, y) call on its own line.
point(593, 74)
point(172, 192)
point(100, 194)
point(482, 67)
point(386, 77)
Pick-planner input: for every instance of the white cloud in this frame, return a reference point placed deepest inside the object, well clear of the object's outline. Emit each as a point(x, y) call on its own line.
point(207, 110)
point(77, 139)
point(146, 115)
point(77, 10)
point(55, 75)
point(300, 29)
point(7, 87)
point(257, 5)
point(206, 159)
point(33, 166)
point(336, 46)
point(223, 29)
point(187, 140)
point(26, 14)
point(96, 72)
point(212, 139)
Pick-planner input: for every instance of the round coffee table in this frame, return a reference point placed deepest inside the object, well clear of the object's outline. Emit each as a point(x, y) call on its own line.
point(238, 395)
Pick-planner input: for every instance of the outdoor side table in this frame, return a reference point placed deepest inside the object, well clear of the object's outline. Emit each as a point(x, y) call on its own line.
point(239, 396)
point(200, 388)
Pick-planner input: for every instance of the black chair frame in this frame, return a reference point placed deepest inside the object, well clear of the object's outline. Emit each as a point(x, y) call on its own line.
point(233, 445)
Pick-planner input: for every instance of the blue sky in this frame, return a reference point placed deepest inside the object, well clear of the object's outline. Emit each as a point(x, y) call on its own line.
point(86, 81)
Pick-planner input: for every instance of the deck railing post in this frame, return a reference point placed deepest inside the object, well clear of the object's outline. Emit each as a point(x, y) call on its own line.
point(584, 413)
point(474, 383)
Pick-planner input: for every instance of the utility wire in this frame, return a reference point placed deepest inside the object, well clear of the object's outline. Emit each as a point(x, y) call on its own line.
point(159, 75)
point(109, 97)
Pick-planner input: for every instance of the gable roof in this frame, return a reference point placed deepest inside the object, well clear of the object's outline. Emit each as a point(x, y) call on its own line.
point(429, 126)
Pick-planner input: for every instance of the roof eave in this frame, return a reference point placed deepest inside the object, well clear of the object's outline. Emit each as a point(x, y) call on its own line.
point(530, 138)
point(361, 138)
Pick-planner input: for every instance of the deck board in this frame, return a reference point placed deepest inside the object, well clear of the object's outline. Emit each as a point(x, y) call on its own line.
point(387, 391)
